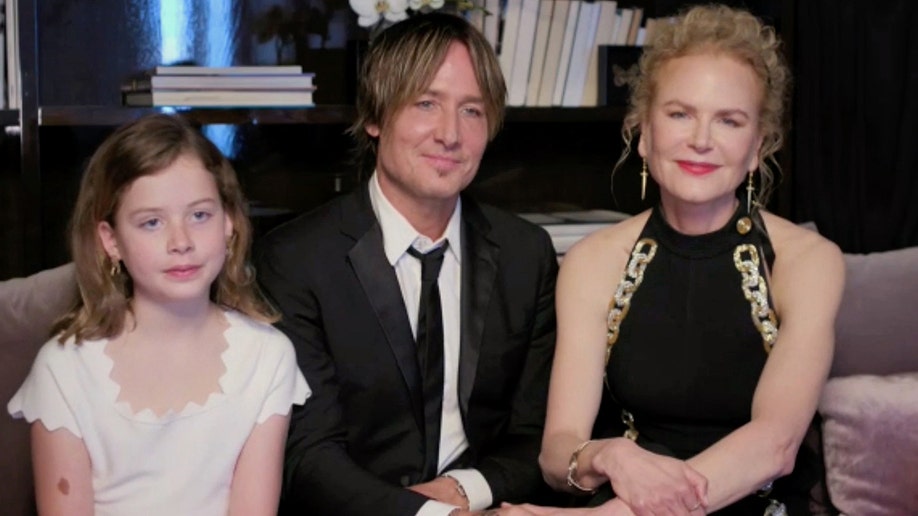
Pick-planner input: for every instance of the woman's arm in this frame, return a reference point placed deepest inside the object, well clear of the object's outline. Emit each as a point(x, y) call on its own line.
point(807, 284)
point(257, 478)
point(646, 481)
point(575, 390)
point(585, 285)
point(63, 472)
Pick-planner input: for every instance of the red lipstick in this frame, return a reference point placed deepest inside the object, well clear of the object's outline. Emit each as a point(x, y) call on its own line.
point(696, 168)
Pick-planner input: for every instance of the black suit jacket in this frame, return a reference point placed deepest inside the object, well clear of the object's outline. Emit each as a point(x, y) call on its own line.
point(358, 441)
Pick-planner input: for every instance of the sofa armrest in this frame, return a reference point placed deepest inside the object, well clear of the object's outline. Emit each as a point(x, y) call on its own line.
point(28, 308)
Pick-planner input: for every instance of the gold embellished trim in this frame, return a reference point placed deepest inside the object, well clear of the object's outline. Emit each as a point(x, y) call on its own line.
point(746, 259)
point(643, 252)
point(743, 225)
point(631, 432)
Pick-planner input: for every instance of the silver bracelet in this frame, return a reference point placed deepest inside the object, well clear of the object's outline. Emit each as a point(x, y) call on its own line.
point(572, 469)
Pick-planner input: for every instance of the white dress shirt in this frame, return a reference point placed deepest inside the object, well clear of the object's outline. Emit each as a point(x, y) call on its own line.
point(398, 236)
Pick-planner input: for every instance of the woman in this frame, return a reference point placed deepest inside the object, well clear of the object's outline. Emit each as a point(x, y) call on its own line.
point(674, 315)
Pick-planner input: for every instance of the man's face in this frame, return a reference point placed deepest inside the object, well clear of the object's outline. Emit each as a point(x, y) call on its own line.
point(430, 149)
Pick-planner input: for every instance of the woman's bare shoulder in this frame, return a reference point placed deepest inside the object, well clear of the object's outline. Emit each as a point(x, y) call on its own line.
point(606, 249)
point(809, 269)
point(593, 267)
point(793, 243)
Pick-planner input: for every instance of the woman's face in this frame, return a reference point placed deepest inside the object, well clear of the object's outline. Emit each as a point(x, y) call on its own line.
point(701, 136)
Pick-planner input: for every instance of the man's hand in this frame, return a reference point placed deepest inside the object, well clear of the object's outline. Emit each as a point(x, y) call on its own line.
point(443, 489)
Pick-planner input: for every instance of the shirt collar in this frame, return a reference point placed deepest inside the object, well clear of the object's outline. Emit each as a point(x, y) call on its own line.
point(399, 234)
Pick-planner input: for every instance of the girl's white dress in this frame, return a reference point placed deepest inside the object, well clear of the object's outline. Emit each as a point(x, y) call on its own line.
point(177, 464)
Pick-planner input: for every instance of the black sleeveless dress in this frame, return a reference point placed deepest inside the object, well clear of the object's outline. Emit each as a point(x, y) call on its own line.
point(690, 328)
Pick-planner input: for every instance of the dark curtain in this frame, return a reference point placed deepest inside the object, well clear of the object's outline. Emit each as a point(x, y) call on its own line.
point(855, 130)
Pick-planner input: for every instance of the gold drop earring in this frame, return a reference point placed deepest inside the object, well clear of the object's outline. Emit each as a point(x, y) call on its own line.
point(644, 180)
point(749, 189)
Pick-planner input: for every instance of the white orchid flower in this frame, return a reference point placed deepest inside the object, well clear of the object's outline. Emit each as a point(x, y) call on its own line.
point(416, 5)
point(369, 11)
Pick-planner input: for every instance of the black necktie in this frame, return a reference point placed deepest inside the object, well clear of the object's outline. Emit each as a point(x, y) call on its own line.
point(430, 352)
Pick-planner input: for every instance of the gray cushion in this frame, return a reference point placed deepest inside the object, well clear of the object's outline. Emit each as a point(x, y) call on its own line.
point(28, 308)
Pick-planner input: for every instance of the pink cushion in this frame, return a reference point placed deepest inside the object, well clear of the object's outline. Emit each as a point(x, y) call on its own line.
point(870, 443)
point(877, 323)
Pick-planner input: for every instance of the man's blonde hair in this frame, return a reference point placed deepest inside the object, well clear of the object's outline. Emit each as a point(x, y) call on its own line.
point(401, 63)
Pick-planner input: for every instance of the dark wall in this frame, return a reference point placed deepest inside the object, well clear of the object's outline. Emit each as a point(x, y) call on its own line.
point(856, 122)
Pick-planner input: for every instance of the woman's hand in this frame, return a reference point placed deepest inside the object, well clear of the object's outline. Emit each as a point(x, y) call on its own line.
point(650, 484)
point(614, 507)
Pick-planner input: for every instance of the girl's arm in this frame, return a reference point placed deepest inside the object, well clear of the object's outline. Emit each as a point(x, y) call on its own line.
point(63, 472)
point(257, 478)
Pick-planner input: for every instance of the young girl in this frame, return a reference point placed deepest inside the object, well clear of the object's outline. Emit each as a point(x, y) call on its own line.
point(166, 390)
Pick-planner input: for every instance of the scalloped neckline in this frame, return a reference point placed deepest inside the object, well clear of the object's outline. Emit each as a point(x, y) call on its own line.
point(112, 389)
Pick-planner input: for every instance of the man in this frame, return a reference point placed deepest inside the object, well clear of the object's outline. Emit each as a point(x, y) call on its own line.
point(428, 392)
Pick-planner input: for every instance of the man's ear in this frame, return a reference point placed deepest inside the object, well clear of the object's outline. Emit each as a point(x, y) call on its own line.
point(107, 236)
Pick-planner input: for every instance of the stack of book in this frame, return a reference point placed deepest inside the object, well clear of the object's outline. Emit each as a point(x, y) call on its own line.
point(206, 86)
point(566, 228)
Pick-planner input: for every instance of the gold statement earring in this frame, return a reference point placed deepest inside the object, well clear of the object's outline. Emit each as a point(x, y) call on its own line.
point(644, 180)
point(749, 189)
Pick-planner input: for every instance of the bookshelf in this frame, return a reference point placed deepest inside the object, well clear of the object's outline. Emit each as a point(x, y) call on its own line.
point(322, 114)
point(116, 115)
point(9, 118)
point(289, 160)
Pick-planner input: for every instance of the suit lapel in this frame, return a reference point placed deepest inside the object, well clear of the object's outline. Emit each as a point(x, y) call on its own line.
point(479, 271)
point(377, 277)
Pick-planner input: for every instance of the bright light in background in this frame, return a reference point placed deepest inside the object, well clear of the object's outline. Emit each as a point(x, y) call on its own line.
point(173, 25)
point(178, 39)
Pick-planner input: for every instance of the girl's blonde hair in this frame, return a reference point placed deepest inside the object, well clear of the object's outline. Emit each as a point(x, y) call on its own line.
point(718, 29)
point(141, 148)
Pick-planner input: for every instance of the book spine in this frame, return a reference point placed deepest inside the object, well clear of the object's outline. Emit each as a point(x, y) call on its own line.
point(229, 70)
point(522, 59)
point(566, 46)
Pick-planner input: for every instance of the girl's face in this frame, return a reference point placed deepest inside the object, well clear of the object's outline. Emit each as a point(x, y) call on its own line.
point(701, 137)
point(171, 232)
